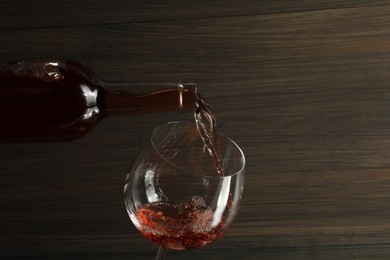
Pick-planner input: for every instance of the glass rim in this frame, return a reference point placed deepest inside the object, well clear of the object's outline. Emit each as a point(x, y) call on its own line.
point(238, 172)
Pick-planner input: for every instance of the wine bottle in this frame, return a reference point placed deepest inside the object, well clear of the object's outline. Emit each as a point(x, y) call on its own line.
point(63, 100)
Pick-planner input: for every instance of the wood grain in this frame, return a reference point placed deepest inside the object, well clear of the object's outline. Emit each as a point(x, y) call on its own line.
point(302, 86)
point(19, 14)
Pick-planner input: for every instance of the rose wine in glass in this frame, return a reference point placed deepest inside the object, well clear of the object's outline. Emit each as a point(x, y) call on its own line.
point(174, 194)
point(181, 227)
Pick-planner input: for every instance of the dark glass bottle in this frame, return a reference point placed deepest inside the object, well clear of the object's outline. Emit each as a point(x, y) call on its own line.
point(63, 100)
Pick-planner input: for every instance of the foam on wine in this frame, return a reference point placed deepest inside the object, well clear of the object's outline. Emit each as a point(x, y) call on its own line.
point(188, 225)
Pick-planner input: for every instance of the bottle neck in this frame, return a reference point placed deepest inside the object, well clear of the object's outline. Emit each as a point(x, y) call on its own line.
point(128, 98)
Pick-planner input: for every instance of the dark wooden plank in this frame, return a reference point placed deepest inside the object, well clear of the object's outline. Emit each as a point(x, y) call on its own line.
point(324, 253)
point(19, 14)
point(305, 94)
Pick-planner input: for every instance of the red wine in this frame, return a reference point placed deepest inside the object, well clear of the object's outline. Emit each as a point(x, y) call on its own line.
point(35, 105)
point(206, 124)
point(188, 225)
point(56, 101)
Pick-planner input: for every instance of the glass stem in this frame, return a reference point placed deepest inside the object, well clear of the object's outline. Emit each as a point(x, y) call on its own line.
point(162, 251)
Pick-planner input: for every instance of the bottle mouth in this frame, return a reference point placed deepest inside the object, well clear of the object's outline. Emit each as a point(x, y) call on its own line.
point(186, 87)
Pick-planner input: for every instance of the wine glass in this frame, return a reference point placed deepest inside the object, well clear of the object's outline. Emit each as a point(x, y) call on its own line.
point(173, 193)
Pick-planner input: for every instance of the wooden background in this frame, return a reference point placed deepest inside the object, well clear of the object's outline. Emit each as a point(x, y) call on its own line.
point(302, 86)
